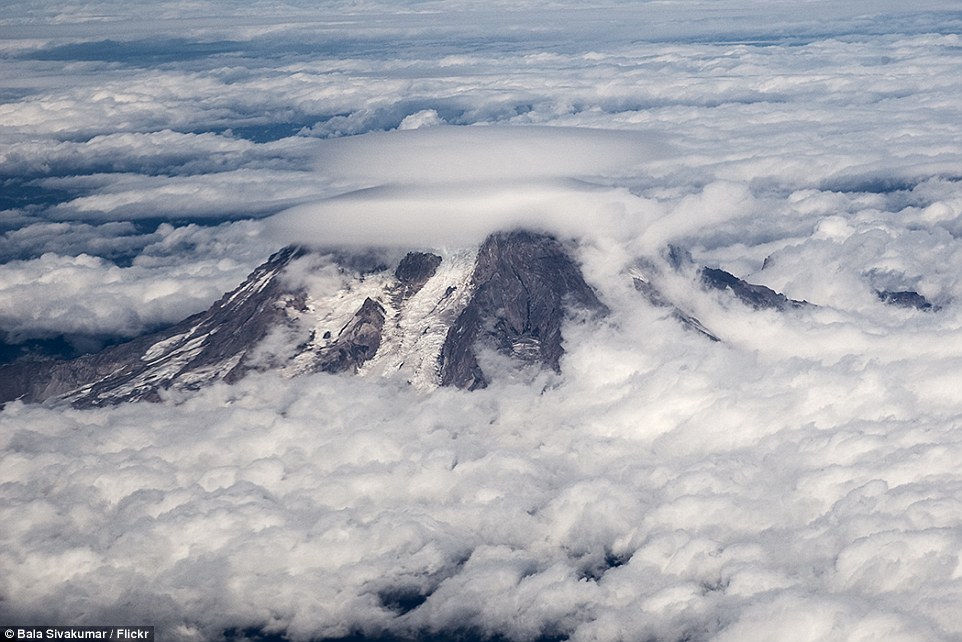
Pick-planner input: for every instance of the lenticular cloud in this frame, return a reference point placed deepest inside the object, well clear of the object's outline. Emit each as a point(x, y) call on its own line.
point(488, 154)
point(451, 186)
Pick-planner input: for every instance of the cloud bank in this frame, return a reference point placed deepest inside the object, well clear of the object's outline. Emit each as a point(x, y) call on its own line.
point(95, 284)
point(675, 490)
point(797, 480)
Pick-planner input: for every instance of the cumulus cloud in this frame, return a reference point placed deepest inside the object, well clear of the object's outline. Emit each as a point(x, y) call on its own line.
point(696, 489)
point(797, 480)
point(173, 273)
point(113, 239)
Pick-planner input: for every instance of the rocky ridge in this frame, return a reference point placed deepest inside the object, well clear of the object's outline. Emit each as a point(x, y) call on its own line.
point(430, 321)
point(425, 320)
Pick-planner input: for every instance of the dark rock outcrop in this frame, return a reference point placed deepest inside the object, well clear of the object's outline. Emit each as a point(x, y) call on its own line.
point(357, 341)
point(656, 298)
point(757, 296)
point(523, 282)
point(905, 299)
point(520, 288)
point(413, 272)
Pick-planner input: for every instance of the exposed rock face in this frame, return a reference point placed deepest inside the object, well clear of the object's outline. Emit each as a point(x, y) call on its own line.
point(905, 299)
point(429, 320)
point(522, 285)
point(357, 342)
point(757, 296)
point(39, 380)
point(413, 272)
point(656, 298)
point(428, 324)
point(679, 259)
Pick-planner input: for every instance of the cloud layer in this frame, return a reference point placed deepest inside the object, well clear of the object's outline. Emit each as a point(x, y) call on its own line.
point(798, 480)
point(677, 489)
point(174, 273)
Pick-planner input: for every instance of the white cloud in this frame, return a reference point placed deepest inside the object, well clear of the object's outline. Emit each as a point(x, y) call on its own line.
point(112, 239)
point(231, 194)
point(798, 480)
point(488, 154)
point(177, 272)
point(424, 118)
point(704, 471)
point(449, 215)
point(453, 186)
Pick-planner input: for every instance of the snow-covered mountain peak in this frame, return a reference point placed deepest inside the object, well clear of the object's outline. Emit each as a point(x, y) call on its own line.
point(304, 311)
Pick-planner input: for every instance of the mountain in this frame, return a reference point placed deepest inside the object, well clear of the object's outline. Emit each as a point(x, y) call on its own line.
point(205, 347)
point(431, 320)
point(521, 282)
point(428, 319)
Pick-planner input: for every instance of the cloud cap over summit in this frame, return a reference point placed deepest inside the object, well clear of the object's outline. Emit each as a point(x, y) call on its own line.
point(455, 185)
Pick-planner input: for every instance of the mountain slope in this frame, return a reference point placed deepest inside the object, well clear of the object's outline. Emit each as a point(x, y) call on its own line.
point(432, 321)
point(521, 282)
point(425, 320)
point(205, 347)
